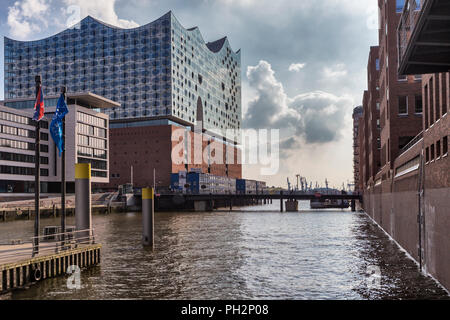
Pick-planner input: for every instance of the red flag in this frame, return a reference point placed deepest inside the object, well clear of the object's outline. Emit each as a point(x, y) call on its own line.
point(39, 106)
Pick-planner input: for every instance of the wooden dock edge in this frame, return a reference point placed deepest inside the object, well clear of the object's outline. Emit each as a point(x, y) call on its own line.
point(19, 274)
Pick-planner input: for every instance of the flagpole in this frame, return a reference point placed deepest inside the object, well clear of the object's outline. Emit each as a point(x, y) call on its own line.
point(63, 173)
point(37, 172)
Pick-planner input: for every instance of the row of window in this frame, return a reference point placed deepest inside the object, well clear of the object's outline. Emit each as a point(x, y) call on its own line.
point(17, 157)
point(89, 152)
point(22, 132)
point(436, 150)
point(403, 104)
point(95, 164)
point(8, 116)
point(90, 119)
point(92, 142)
point(8, 143)
point(22, 171)
point(434, 100)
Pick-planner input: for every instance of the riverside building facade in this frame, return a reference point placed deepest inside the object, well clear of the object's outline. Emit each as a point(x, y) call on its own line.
point(410, 195)
point(161, 73)
point(86, 142)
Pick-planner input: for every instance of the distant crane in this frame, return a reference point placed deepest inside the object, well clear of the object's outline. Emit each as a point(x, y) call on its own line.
point(326, 184)
point(289, 184)
point(298, 178)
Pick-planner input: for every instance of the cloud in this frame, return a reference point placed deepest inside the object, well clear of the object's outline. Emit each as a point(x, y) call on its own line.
point(296, 67)
point(103, 10)
point(315, 117)
point(337, 71)
point(27, 16)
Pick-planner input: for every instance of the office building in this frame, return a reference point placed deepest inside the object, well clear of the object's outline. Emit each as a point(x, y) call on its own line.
point(86, 142)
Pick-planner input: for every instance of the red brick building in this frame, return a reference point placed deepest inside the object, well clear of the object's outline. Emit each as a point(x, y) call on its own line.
point(357, 114)
point(400, 118)
point(373, 112)
point(140, 150)
point(410, 195)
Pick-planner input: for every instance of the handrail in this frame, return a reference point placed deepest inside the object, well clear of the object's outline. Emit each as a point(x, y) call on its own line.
point(60, 242)
point(411, 143)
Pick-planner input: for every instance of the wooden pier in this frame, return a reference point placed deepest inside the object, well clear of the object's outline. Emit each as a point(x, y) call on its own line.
point(47, 256)
point(21, 273)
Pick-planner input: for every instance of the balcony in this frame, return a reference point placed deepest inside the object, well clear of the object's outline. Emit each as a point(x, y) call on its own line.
point(424, 37)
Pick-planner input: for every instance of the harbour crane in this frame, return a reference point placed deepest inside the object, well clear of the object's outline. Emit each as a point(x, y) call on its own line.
point(289, 184)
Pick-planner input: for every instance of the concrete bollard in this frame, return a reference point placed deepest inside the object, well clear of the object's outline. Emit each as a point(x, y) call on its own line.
point(148, 216)
point(83, 214)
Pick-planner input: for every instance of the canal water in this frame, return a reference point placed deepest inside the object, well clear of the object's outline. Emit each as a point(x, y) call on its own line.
point(254, 253)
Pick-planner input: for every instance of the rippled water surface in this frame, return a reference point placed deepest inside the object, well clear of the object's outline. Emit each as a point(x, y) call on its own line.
point(256, 253)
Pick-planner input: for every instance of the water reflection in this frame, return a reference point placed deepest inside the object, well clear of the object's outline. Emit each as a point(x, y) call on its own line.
point(256, 252)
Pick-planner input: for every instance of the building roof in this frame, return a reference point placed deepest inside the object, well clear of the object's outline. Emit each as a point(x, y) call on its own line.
point(92, 100)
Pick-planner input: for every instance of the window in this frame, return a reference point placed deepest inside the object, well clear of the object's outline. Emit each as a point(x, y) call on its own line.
point(400, 5)
point(427, 154)
point(445, 145)
point(432, 152)
point(438, 149)
point(403, 105)
point(377, 64)
point(402, 78)
point(418, 105)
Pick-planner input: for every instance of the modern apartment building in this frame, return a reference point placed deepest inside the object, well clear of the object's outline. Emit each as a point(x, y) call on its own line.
point(161, 73)
point(17, 151)
point(86, 142)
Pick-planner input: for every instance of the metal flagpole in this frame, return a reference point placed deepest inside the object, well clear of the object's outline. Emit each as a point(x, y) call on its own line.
point(37, 172)
point(63, 174)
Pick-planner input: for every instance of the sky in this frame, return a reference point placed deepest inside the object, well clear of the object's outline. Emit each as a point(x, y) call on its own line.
point(304, 65)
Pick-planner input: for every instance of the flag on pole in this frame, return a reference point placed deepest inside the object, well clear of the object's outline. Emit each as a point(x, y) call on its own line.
point(39, 105)
point(56, 126)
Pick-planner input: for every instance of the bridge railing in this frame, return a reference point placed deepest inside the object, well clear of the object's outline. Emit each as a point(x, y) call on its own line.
point(17, 250)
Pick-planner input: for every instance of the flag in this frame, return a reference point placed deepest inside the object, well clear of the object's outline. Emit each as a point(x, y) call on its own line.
point(39, 105)
point(56, 126)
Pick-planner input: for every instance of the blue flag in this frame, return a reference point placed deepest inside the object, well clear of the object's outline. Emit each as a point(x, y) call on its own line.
point(56, 126)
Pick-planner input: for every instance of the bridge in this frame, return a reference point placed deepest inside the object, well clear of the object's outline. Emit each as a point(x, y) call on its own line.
point(236, 199)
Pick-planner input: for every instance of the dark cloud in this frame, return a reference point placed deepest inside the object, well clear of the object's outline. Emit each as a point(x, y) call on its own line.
point(315, 117)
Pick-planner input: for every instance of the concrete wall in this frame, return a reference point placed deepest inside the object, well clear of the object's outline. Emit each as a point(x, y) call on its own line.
point(396, 212)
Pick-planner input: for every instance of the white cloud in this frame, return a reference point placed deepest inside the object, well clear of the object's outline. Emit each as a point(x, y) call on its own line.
point(296, 67)
point(337, 71)
point(103, 10)
point(27, 16)
point(312, 117)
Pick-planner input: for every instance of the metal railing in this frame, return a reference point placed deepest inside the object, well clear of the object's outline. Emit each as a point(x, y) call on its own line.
point(411, 143)
point(406, 25)
point(18, 250)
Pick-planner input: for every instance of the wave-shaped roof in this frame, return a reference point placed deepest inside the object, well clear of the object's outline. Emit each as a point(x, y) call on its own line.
point(214, 46)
